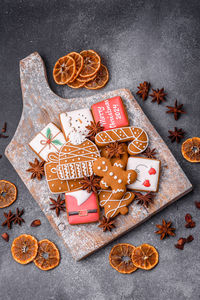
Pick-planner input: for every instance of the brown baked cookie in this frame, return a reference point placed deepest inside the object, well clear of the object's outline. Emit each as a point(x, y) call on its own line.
point(113, 207)
point(116, 151)
point(113, 176)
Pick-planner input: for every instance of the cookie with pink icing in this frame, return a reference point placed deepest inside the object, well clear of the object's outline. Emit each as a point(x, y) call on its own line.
point(113, 177)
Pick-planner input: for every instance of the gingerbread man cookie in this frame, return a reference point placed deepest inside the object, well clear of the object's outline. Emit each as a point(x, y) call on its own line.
point(115, 152)
point(113, 176)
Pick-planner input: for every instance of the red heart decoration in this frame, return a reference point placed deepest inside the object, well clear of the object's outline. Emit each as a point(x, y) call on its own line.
point(152, 171)
point(146, 183)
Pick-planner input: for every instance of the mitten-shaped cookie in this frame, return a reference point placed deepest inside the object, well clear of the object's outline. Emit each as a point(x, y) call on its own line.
point(113, 176)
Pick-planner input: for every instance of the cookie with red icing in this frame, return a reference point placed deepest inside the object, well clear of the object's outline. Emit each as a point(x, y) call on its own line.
point(148, 173)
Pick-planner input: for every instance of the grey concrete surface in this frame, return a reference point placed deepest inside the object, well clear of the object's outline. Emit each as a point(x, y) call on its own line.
point(157, 41)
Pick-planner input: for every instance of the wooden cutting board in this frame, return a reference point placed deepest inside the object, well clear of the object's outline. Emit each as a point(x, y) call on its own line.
point(41, 106)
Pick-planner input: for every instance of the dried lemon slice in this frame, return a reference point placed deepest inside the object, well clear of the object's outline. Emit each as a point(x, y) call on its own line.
point(8, 193)
point(76, 84)
point(191, 150)
point(64, 70)
point(145, 257)
point(24, 249)
point(48, 256)
point(92, 62)
point(79, 64)
point(120, 258)
point(100, 79)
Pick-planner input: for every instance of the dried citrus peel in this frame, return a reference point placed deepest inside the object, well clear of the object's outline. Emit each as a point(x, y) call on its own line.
point(8, 193)
point(191, 150)
point(24, 249)
point(145, 257)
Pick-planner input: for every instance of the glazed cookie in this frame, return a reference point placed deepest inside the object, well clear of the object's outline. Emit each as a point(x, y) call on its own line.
point(113, 207)
point(49, 139)
point(74, 124)
point(111, 113)
point(137, 136)
point(113, 176)
point(75, 161)
point(115, 152)
point(148, 173)
point(82, 207)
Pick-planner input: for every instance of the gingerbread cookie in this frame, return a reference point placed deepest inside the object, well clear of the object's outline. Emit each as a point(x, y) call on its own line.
point(137, 135)
point(111, 113)
point(115, 152)
point(82, 207)
point(148, 173)
point(57, 186)
point(74, 124)
point(75, 161)
point(49, 139)
point(113, 207)
point(113, 176)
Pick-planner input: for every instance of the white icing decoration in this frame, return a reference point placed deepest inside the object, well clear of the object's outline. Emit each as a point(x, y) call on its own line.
point(81, 196)
point(111, 173)
point(105, 170)
point(119, 181)
point(118, 165)
point(117, 191)
point(76, 138)
point(99, 168)
point(115, 177)
point(129, 178)
point(104, 183)
point(103, 162)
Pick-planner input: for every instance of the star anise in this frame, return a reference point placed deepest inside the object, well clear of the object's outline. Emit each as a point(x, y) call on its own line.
point(176, 135)
point(177, 110)
point(94, 128)
point(114, 150)
point(165, 229)
point(91, 184)
point(143, 90)
point(144, 199)
point(107, 224)
point(58, 205)
point(18, 217)
point(37, 169)
point(158, 96)
point(150, 153)
point(9, 219)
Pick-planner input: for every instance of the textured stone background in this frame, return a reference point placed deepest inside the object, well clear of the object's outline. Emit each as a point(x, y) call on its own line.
point(139, 40)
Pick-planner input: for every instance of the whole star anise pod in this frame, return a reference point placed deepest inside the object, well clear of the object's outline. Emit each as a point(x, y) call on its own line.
point(91, 184)
point(37, 169)
point(107, 224)
point(144, 199)
point(150, 153)
point(158, 96)
point(176, 135)
point(57, 205)
point(114, 150)
point(165, 229)
point(18, 217)
point(94, 128)
point(9, 219)
point(177, 110)
point(143, 90)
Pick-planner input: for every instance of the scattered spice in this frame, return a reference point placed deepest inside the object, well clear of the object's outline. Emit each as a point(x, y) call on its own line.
point(4, 127)
point(182, 241)
point(197, 204)
point(176, 135)
point(18, 217)
point(91, 184)
point(37, 169)
point(94, 128)
point(5, 236)
point(143, 90)
point(158, 96)
point(150, 153)
point(36, 223)
point(107, 224)
point(189, 239)
point(115, 150)
point(177, 110)
point(9, 219)
point(165, 229)
point(3, 136)
point(144, 199)
point(0, 156)
point(189, 222)
point(57, 205)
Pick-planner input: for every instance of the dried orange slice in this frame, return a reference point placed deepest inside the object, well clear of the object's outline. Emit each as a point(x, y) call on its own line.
point(64, 70)
point(76, 84)
point(145, 257)
point(79, 63)
point(120, 258)
point(86, 79)
point(8, 193)
point(191, 150)
point(48, 256)
point(92, 62)
point(100, 80)
point(24, 249)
